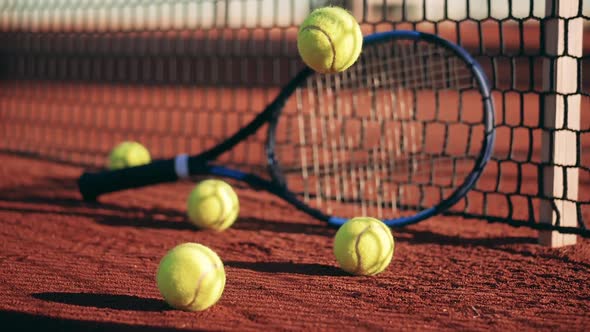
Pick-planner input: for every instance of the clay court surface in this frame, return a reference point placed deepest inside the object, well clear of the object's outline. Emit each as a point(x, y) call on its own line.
point(70, 265)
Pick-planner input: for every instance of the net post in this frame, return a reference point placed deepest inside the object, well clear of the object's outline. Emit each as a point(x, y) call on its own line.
point(560, 119)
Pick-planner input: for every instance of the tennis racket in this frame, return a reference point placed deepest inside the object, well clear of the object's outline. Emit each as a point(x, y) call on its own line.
point(402, 135)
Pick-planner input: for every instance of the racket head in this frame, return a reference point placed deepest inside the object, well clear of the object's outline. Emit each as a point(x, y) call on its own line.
point(383, 138)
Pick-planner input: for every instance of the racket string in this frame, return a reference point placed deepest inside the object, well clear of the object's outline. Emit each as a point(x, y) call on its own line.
point(378, 139)
point(443, 72)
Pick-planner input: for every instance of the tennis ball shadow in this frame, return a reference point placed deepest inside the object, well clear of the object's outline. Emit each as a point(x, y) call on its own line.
point(104, 301)
point(289, 267)
point(23, 321)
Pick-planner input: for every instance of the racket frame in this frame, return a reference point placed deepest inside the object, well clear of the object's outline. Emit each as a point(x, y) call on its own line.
point(92, 185)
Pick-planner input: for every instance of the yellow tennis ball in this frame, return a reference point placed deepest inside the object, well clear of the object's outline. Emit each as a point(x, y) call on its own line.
point(191, 277)
point(213, 204)
point(329, 40)
point(364, 246)
point(128, 154)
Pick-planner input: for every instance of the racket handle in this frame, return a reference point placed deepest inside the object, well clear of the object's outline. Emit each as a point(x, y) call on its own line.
point(92, 185)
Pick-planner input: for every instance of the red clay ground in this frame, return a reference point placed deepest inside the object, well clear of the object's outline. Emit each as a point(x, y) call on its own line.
point(70, 265)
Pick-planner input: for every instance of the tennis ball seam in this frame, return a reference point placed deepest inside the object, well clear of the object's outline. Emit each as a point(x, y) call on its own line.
point(360, 247)
point(357, 250)
point(200, 283)
point(315, 27)
point(221, 219)
point(225, 212)
point(384, 228)
point(227, 193)
point(218, 197)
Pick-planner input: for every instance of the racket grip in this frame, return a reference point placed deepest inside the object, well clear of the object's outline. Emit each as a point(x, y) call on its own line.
point(92, 185)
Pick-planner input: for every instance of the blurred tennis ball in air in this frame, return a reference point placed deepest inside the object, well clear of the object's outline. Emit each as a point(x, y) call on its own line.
point(364, 246)
point(128, 154)
point(329, 40)
point(191, 277)
point(213, 204)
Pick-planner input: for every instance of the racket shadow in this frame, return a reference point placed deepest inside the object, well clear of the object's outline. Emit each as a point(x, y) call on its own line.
point(56, 192)
point(110, 215)
point(413, 236)
point(521, 245)
point(44, 195)
point(310, 269)
point(153, 218)
point(104, 301)
point(258, 224)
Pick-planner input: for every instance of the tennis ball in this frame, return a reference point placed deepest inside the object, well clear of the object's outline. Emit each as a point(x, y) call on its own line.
point(213, 204)
point(191, 277)
point(128, 154)
point(363, 246)
point(329, 40)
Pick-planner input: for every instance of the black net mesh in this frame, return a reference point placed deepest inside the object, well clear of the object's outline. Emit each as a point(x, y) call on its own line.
point(77, 77)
